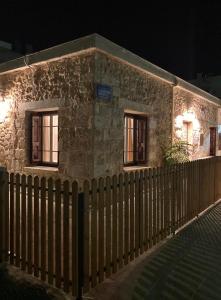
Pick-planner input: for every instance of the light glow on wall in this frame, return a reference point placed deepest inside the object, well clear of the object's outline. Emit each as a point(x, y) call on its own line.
point(188, 117)
point(5, 106)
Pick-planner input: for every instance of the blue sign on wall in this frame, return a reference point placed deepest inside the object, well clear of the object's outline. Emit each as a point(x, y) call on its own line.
point(104, 92)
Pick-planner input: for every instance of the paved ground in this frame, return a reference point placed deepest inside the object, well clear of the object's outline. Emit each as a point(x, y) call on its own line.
point(16, 285)
point(187, 266)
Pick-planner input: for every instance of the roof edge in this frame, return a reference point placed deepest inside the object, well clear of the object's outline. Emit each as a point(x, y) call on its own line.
point(131, 58)
point(97, 41)
point(56, 52)
point(196, 90)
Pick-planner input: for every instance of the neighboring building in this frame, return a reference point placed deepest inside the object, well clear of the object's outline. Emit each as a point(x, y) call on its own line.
point(90, 108)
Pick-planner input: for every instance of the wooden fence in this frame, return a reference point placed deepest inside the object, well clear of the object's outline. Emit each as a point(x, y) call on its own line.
point(74, 240)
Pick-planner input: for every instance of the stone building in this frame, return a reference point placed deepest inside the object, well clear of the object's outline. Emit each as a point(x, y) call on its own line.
point(90, 108)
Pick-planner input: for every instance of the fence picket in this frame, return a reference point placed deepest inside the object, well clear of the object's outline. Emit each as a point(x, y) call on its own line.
point(126, 218)
point(86, 235)
point(30, 225)
point(141, 211)
point(50, 232)
point(154, 204)
point(146, 209)
point(43, 228)
point(158, 208)
point(161, 204)
point(18, 212)
point(150, 225)
point(23, 222)
point(66, 237)
point(166, 201)
point(58, 233)
point(178, 196)
point(192, 189)
point(120, 224)
point(36, 226)
point(181, 194)
point(75, 254)
point(94, 252)
point(7, 218)
point(101, 229)
point(114, 224)
point(108, 226)
point(132, 216)
point(12, 218)
point(137, 211)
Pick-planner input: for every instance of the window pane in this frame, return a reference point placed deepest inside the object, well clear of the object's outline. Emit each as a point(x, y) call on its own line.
point(36, 138)
point(130, 144)
point(55, 120)
point(141, 138)
point(54, 157)
point(128, 139)
point(54, 138)
point(46, 139)
point(46, 120)
point(36, 129)
point(36, 153)
point(46, 156)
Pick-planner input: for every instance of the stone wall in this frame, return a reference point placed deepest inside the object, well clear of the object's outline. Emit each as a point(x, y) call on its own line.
point(134, 91)
point(67, 85)
point(91, 130)
point(204, 115)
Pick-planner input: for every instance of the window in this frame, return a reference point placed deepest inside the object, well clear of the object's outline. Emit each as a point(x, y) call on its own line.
point(212, 141)
point(135, 139)
point(219, 137)
point(44, 138)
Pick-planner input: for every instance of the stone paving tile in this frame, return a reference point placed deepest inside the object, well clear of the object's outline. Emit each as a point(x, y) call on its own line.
point(189, 265)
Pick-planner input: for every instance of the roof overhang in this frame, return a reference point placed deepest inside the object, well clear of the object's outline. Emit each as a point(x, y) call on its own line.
point(93, 42)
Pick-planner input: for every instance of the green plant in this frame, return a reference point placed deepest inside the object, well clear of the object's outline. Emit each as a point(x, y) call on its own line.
point(177, 152)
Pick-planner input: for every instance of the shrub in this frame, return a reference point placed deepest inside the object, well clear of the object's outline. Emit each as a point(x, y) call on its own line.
point(177, 152)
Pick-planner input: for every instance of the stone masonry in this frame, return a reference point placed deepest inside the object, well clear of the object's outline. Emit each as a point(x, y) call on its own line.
point(133, 90)
point(66, 84)
point(91, 131)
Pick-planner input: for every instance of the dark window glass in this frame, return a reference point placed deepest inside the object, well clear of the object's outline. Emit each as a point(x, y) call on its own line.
point(135, 137)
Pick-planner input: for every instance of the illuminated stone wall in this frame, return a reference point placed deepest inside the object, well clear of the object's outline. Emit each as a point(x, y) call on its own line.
point(134, 91)
point(203, 115)
point(91, 129)
point(66, 84)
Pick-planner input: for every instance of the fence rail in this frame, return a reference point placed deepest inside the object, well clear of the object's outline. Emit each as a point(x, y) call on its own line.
point(74, 240)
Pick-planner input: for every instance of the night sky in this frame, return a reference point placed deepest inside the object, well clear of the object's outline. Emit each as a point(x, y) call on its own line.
point(181, 38)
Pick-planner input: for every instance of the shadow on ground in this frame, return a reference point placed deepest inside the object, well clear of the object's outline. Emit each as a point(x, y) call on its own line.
point(187, 266)
point(15, 285)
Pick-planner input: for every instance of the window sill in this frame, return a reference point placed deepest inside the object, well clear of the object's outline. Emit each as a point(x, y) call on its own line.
point(41, 169)
point(134, 168)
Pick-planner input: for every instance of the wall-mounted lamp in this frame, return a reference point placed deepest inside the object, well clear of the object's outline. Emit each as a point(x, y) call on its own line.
point(188, 116)
point(5, 104)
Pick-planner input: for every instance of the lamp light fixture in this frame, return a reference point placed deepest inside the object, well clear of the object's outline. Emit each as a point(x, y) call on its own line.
point(188, 116)
point(5, 104)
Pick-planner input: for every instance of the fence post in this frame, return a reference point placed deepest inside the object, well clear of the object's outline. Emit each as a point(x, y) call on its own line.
point(3, 185)
point(80, 238)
